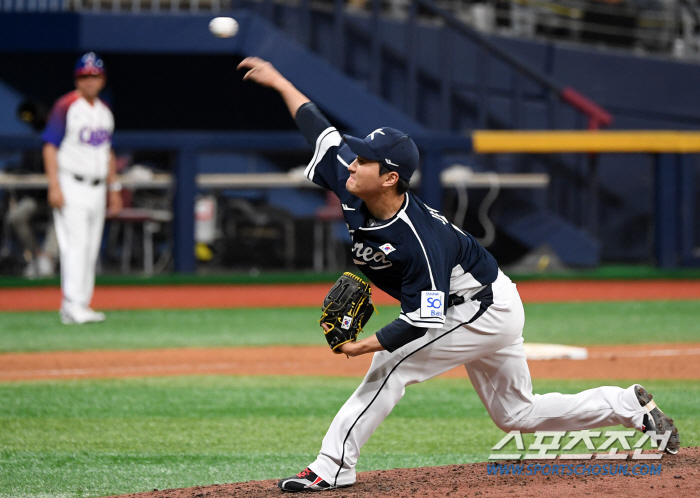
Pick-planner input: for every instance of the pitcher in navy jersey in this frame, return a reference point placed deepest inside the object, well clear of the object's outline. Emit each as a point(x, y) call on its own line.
point(81, 169)
point(457, 307)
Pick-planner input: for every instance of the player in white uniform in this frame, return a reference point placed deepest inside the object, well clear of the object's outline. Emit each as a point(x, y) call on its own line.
point(457, 307)
point(81, 169)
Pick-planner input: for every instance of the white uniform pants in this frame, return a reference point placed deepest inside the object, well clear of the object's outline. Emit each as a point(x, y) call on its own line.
point(491, 348)
point(79, 225)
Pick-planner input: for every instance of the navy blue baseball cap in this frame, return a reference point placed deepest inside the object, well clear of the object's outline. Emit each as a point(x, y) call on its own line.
point(393, 148)
point(89, 64)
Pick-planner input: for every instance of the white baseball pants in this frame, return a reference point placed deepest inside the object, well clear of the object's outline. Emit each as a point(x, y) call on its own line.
point(491, 349)
point(79, 224)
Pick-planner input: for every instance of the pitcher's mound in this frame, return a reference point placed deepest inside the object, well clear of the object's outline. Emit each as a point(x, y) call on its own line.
point(680, 476)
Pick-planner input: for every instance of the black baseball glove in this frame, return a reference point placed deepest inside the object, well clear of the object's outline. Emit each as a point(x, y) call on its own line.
point(346, 309)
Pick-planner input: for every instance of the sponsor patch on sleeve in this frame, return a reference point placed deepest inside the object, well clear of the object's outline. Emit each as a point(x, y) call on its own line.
point(432, 304)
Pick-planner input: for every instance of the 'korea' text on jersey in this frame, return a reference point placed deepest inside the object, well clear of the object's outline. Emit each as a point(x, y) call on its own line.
point(417, 256)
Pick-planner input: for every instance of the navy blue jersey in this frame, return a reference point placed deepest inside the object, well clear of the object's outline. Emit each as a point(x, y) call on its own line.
point(417, 256)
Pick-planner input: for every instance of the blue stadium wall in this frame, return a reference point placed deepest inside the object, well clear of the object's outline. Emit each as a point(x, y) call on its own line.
point(641, 93)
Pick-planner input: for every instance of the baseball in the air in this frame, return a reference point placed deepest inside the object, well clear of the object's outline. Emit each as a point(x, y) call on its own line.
point(223, 27)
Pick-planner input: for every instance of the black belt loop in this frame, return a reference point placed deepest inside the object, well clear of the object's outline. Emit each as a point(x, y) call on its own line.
point(484, 295)
point(485, 298)
point(455, 300)
point(94, 182)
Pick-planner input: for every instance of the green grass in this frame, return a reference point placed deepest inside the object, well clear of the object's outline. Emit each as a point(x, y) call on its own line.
point(631, 322)
point(99, 437)
point(567, 323)
point(41, 331)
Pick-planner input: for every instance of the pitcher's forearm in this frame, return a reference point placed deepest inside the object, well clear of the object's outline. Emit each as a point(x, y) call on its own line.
point(292, 97)
point(368, 345)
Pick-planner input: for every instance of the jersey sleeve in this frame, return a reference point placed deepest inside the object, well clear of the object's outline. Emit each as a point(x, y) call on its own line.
point(425, 283)
point(398, 333)
point(328, 167)
point(56, 125)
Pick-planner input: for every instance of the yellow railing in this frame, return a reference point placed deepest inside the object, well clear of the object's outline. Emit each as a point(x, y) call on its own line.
point(543, 142)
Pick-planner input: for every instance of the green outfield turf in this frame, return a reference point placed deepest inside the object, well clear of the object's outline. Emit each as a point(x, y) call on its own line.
point(566, 323)
point(100, 437)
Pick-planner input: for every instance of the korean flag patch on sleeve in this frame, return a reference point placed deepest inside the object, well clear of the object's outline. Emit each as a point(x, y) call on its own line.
point(432, 304)
point(387, 248)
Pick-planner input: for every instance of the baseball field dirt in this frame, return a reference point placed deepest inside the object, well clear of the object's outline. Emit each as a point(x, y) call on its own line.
point(629, 362)
point(680, 476)
point(273, 296)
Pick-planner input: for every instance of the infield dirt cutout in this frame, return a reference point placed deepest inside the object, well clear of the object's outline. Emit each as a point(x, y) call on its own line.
point(633, 362)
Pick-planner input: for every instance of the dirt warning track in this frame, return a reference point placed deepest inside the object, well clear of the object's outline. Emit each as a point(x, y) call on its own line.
point(289, 295)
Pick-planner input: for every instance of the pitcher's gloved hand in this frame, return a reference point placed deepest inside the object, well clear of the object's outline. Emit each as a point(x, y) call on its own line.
point(346, 309)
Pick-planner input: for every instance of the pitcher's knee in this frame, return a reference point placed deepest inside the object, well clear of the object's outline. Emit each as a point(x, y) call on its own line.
point(522, 423)
point(507, 424)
